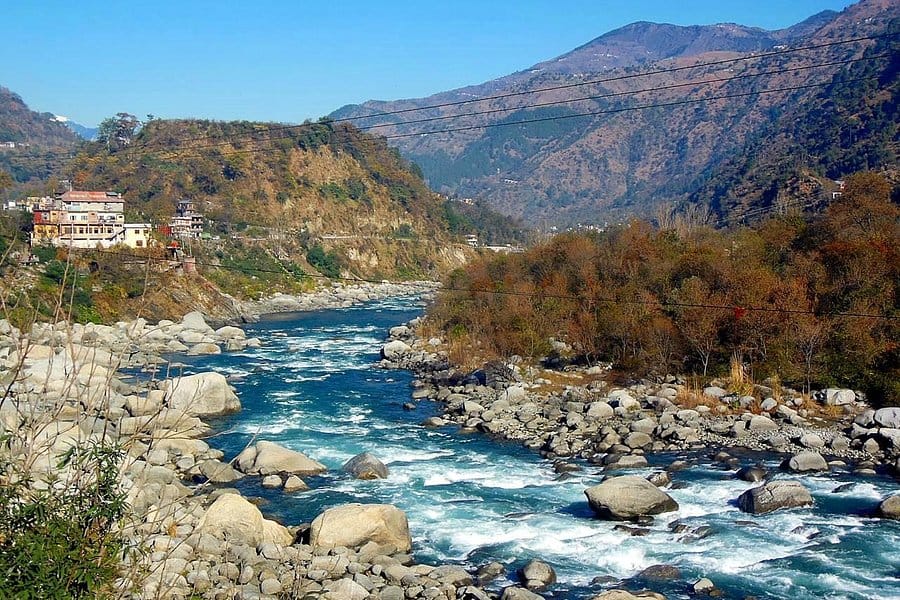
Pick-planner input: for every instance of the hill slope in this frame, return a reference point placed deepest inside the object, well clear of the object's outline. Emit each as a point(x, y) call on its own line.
point(38, 139)
point(627, 161)
point(288, 190)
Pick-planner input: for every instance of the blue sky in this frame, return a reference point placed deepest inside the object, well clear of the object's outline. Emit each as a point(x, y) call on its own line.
point(291, 60)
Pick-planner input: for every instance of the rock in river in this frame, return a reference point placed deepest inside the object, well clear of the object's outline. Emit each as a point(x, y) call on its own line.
point(352, 525)
point(268, 458)
point(628, 497)
point(366, 466)
point(890, 508)
point(774, 496)
point(806, 461)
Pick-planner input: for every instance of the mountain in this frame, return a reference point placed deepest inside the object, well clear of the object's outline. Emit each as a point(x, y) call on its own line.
point(36, 139)
point(604, 155)
point(84, 132)
point(290, 189)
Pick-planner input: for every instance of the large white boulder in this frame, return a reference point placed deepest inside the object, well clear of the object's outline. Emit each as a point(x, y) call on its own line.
point(395, 350)
point(195, 321)
point(774, 496)
point(268, 458)
point(353, 525)
point(628, 497)
point(232, 517)
point(201, 394)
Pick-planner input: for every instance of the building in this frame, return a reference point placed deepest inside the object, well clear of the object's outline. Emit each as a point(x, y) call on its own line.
point(187, 223)
point(84, 219)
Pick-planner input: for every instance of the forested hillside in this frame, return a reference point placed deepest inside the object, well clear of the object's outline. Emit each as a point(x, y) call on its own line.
point(813, 302)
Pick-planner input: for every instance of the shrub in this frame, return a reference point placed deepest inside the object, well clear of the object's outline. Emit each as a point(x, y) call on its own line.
point(62, 542)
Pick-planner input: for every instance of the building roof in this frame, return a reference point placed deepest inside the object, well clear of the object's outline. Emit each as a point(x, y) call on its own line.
point(74, 196)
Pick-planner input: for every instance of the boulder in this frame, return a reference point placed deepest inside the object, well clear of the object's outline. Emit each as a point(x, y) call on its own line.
point(839, 397)
point(200, 395)
point(268, 458)
point(660, 573)
point(773, 496)
point(204, 348)
point(599, 410)
point(230, 333)
point(395, 350)
point(628, 497)
point(345, 589)
point(751, 474)
point(517, 593)
point(806, 461)
point(812, 440)
point(618, 595)
point(218, 472)
point(366, 466)
point(195, 322)
point(353, 525)
point(232, 517)
point(537, 574)
point(761, 423)
point(888, 417)
point(294, 484)
point(890, 508)
point(715, 391)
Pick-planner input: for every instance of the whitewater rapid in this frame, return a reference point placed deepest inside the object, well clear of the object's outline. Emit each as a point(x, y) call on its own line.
point(313, 387)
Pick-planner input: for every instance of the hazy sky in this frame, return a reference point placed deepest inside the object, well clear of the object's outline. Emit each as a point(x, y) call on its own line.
point(291, 60)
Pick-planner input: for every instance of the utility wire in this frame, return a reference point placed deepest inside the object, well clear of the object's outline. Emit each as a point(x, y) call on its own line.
point(185, 151)
point(557, 102)
point(607, 300)
point(653, 72)
point(137, 151)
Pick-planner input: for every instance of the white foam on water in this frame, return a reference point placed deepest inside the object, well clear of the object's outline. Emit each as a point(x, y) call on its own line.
point(392, 455)
point(303, 378)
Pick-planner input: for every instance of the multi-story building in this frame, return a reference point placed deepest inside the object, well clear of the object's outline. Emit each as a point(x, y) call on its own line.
point(81, 219)
point(186, 223)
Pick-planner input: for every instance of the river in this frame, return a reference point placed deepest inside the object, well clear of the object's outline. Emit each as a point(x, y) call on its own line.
point(313, 387)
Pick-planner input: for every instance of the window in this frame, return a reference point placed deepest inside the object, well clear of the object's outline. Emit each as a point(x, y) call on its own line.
point(139, 244)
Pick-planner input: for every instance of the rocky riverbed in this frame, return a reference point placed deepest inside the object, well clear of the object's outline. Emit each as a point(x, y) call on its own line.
point(189, 533)
point(616, 427)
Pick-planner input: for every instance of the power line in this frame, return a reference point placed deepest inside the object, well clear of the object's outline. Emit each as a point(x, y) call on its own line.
point(650, 73)
point(662, 303)
point(184, 152)
point(140, 151)
point(625, 109)
point(557, 102)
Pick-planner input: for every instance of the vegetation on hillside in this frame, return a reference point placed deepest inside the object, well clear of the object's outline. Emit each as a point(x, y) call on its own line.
point(776, 297)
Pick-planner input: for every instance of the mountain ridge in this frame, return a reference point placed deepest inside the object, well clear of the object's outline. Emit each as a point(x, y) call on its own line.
point(571, 172)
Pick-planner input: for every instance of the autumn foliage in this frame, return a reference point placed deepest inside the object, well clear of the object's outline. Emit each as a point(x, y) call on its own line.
point(785, 297)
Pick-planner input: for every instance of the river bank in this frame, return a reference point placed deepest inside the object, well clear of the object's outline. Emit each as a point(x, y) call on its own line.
point(188, 532)
point(485, 510)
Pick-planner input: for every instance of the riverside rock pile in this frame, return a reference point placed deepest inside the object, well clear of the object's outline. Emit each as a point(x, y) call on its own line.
point(190, 536)
point(336, 295)
point(617, 427)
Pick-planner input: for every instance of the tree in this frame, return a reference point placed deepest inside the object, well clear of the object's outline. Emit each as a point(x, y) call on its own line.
point(118, 132)
point(6, 181)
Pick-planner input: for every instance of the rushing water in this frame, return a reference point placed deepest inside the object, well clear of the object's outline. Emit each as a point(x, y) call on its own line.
point(313, 387)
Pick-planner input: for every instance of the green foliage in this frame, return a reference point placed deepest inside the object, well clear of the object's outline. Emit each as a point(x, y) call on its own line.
point(326, 263)
point(62, 542)
point(44, 253)
point(404, 232)
point(334, 191)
